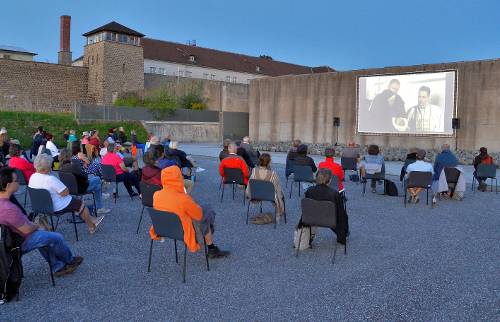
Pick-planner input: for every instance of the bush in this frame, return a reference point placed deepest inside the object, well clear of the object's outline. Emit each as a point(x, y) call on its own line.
point(193, 101)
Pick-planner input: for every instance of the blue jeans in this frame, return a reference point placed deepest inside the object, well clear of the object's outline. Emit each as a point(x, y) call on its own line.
point(95, 186)
point(58, 251)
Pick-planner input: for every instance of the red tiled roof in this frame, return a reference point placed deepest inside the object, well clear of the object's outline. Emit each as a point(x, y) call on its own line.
point(179, 53)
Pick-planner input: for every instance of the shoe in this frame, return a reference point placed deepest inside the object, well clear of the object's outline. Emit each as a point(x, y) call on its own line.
point(102, 211)
point(134, 194)
point(374, 190)
point(217, 253)
point(97, 221)
point(69, 268)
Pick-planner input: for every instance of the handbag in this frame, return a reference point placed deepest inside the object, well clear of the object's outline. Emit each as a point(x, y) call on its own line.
point(305, 239)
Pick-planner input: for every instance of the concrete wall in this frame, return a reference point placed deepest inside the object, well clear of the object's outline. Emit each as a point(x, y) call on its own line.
point(186, 131)
point(288, 107)
point(222, 96)
point(34, 86)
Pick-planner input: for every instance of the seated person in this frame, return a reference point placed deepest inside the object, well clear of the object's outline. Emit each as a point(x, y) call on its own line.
point(50, 146)
point(292, 153)
point(322, 192)
point(422, 166)
point(351, 151)
point(482, 158)
point(443, 160)
point(12, 215)
point(234, 161)
point(225, 152)
point(264, 172)
point(151, 173)
point(243, 153)
point(19, 163)
point(59, 193)
point(162, 161)
point(174, 151)
point(122, 173)
point(252, 153)
point(372, 163)
point(410, 158)
point(303, 159)
point(334, 167)
point(90, 163)
point(85, 182)
point(196, 221)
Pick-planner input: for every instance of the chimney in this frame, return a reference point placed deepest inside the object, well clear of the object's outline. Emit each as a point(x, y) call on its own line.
point(64, 50)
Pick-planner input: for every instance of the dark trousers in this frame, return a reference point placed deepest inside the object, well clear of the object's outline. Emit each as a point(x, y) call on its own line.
point(129, 180)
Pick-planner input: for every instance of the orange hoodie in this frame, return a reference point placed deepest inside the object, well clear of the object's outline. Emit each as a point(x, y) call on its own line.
point(172, 198)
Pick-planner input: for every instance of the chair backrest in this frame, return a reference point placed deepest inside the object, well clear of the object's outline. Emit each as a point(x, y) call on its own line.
point(69, 181)
point(262, 190)
point(108, 173)
point(20, 177)
point(486, 170)
point(41, 201)
point(303, 173)
point(334, 184)
point(349, 163)
point(166, 224)
point(233, 175)
point(452, 174)
point(319, 213)
point(419, 179)
point(147, 191)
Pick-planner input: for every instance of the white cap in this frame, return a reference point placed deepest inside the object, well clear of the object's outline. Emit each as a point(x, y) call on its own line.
point(3, 130)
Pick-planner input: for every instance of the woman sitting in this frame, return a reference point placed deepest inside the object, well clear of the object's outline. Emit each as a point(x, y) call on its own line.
point(151, 173)
point(22, 164)
point(372, 163)
point(90, 164)
point(482, 158)
point(54, 151)
point(264, 172)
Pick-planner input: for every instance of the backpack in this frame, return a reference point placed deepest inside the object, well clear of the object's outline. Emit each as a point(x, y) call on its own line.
point(305, 239)
point(11, 267)
point(390, 188)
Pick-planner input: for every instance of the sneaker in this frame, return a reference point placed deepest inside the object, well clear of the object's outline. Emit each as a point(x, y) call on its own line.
point(97, 221)
point(134, 194)
point(217, 253)
point(102, 211)
point(69, 268)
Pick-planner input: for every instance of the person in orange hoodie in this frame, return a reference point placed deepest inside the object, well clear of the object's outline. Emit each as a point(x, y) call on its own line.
point(196, 221)
point(234, 161)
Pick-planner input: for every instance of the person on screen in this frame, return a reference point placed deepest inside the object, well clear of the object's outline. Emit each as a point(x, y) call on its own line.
point(388, 109)
point(425, 117)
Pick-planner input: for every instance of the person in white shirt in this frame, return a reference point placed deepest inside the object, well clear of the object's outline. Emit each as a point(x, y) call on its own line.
point(421, 166)
point(59, 193)
point(54, 151)
point(425, 117)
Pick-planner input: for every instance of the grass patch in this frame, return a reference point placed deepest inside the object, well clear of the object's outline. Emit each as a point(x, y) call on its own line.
point(22, 125)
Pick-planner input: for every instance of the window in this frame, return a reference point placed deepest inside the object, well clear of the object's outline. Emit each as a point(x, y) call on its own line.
point(228, 78)
point(205, 75)
point(192, 58)
point(180, 73)
point(6, 56)
point(212, 76)
point(257, 68)
point(188, 74)
point(234, 79)
point(152, 70)
point(161, 70)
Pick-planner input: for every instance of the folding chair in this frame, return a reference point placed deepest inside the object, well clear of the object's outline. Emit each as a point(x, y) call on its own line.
point(168, 225)
point(418, 179)
point(41, 203)
point(147, 190)
point(22, 181)
point(319, 214)
point(488, 171)
point(350, 164)
point(375, 176)
point(452, 175)
point(233, 176)
point(109, 175)
point(261, 191)
point(301, 173)
point(70, 182)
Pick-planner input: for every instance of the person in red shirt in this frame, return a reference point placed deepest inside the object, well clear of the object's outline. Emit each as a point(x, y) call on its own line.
point(94, 139)
point(334, 167)
point(17, 162)
point(234, 161)
point(122, 174)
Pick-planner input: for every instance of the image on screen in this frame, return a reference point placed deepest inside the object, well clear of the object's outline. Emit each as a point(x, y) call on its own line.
point(420, 103)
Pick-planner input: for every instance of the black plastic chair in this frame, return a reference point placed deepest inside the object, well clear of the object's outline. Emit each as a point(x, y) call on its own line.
point(349, 164)
point(334, 183)
point(301, 173)
point(109, 175)
point(22, 181)
point(147, 190)
point(233, 176)
point(452, 175)
point(168, 225)
point(418, 179)
point(488, 171)
point(41, 203)
point(261, 191)
point(319, 214)
point(69, 180)
point(375, 176)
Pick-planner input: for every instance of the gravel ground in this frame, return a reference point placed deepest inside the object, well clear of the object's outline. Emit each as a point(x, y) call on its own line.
point(413, 264)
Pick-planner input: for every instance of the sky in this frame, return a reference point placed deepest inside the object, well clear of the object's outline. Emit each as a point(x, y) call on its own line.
point(345, 35)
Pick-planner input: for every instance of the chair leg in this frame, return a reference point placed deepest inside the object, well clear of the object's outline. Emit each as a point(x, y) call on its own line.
point(300, 184)
point(150, 255)
point(74, 225)
point(184, 266)
point(406, 195)
point(244, 190)
point(25, 196)
point(233, 190)
point(206, 253)
point(345, 247)
point(222, 194)
point(298, 245)
point(284, 209)
point(334, 251)
point(95, 205)
point(248, 210)
point(291, 189)
point(427, 197)
point(364, 186)
point(50, 268)
point(175, 249)
point(140, 220)
point(275, 215)
point(116, 191)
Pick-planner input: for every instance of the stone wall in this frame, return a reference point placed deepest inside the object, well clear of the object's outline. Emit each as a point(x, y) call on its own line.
point(303, 106)
point(185, 131)
point(35, 86)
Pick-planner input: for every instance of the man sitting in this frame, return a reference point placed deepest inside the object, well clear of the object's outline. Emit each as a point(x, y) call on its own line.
point(252, 153)
point(334, 167)
point(225, 152)
point(196, 221)
point(122, 173)
point(234, 161)
point(57, 250)
point(443, 160)
point(419, 165)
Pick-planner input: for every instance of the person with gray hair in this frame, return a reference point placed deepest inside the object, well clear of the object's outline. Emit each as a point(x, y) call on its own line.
point(174, 153)
point(234, 161)
point(252, 153)
point(59, 193)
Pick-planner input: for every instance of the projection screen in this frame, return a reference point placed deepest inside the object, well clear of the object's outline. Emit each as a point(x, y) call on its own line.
point(419, 103)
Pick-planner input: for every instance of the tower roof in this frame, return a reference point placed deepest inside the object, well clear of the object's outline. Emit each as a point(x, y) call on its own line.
point(114, 26)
